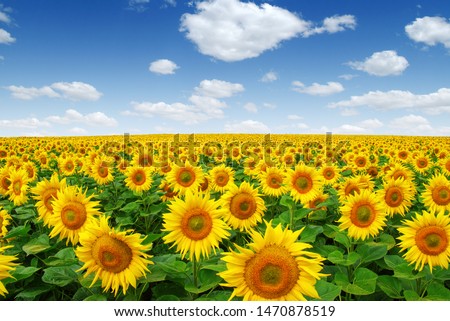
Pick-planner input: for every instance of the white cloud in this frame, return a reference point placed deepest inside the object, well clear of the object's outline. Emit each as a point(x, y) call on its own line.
point(294, 117)
point(269, 77)
point(231, 30)
point(78, 131)
point(218, 88)
point(349, 112)
point(347, 76)
point(430, 30)
point(251, 107)
point(383, 63)
point(73, 91)
point(30, 123)
point(5, 37)
point(163, 67)
point(365, 126)
point(317, 89)
point(269, 105)
point(370, 123)
point(92, 119)
point(246, 126)
point(138, 5)
point(411, 122)
point(347, 128)
point(334, 24)
point(4, 17)
point(433, 103)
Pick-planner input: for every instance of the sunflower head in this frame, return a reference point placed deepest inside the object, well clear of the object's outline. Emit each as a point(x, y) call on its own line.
point(7, 265)
point(437, 194)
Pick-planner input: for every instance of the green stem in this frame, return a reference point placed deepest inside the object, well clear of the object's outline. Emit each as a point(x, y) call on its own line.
point(195, 272)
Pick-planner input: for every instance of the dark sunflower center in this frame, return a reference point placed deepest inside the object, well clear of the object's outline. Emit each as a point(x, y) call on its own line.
point(441, 195)
point(394, 197)
point(274, 181)
point(73, 215)
point(196, 224)
point(243, 205)
point(303, 184)
point(362, 214)
point(103, 172)
point(47, 198)
point(186, 177)
point(17, 185)
point(222, 179)
point(111, 254)
point(431, 240)
point(139, 178)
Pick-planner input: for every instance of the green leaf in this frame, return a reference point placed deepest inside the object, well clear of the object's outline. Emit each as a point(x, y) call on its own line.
point(173, 267)
point(37, 245)
point(364, 282)
point(411, 295)
point(327, 291)
point(371, 253)
point(215, 296)
point(151, 237)
point(393, 260)
point(17, 231)
point(406, 271)
point(22, 272)
point(335, 233)
point(310, 232)
point(437, 292)
point(60, 276)
point(130, 207)
point(287, 201)
point(339, 258)
point(64, 257)
point(343, 239)
point(96, 297)
point(31, 294)
point(24, 212)
point(391, 286)
point(347, 172)
point(208, 279)
point(317, 215)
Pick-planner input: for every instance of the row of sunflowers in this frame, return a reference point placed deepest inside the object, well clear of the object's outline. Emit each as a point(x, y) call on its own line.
point(225, 217)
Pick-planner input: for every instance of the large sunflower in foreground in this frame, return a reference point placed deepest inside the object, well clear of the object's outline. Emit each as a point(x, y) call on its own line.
point(194, 224)
point(397, 196)
point(437, 194)
point(117, 258)
point(304, 183)
point(426, 240)
point(138, 179)
point(185, 178)
point(44, 193)
point(363, 215)
point(6, 266)
point(72, 211)
point(273, 267)
point(243, 208)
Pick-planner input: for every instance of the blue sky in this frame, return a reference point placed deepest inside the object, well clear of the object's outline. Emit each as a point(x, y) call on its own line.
point(221, 66)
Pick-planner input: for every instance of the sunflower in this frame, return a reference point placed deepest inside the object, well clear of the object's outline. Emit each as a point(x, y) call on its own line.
point(194, 225)
point(67, 165)
point(138, 179)
point(243, 208)
point(117, 258)
point(320, 198)
point(363, 215)
point(101, 170)
point(169, 193)
point(445, 165)
point(221, 177)
point(437, 194)
point(18, 186)
point(6, 266)
point(426, 240)
point(4, 180)
point(273, 267)
point(329, 174)
point(397, 196)
point(186, 178)
point(304, 183)
point(72, 211)
point(272, 182)
point(421, 163)
point(44, 193)
point(397, 170)
point(4, 222)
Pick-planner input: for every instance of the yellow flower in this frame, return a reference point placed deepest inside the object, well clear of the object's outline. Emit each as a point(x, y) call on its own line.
point(304, 183)
point(397, 196)
point(194, 224)
point(117, 258)
point(73, 210)
point(363, 215)
point(186, 178)
point(4, 222)
point(139, 179)
point(18, 186)
point(243, 208)
point(426, 240)
point(272, 182)
point(102, 170)
point(273, 267)
point(6, 266)
point(45, 191)
point(437, 194)
point(222, 178)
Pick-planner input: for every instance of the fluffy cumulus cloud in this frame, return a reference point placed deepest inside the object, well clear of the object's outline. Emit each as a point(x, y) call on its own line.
point(4, 17)
point(5, 37)
point(68, 90)
point(269, 77)
point(433, 103)
point(163, 67)
point(231, 30)
point(430, 30)
point(411, 122)
point(251, 107)
point(28, 123)
point(383, 63)
point(138, 5)
point(246, 126)
point(92, 119)
point(317, 89)
point(334, 24)
point(365, 126)
point(218, 88)
point(294, 117)
point(204, 104)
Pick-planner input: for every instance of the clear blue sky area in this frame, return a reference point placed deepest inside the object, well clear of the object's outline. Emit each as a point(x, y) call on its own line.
point(96, 67)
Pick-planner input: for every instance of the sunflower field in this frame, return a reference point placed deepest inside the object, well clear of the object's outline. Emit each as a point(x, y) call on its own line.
point(225, 217)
